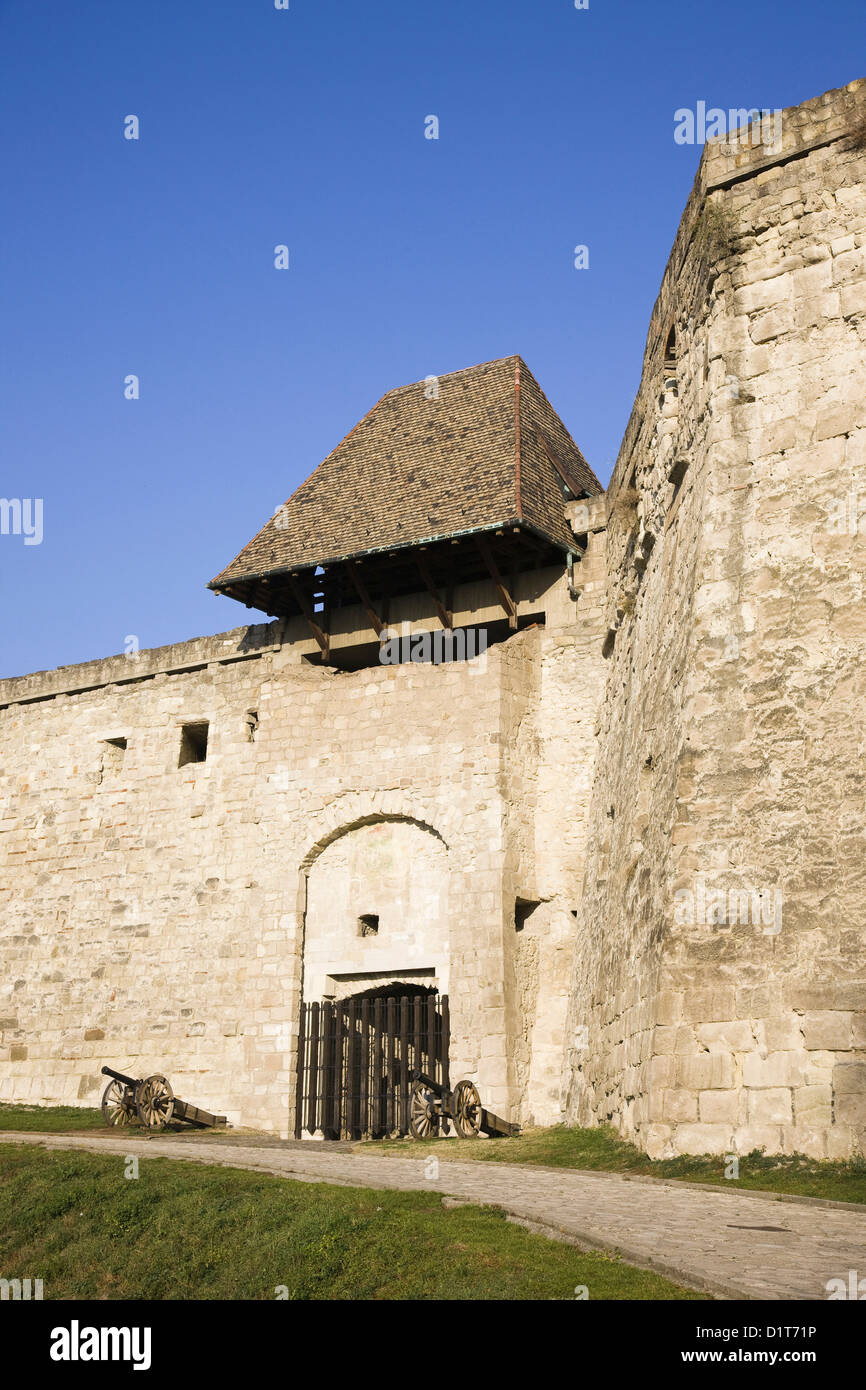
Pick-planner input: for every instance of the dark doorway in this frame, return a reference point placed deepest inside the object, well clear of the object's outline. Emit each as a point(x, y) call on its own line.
point(356, 1057)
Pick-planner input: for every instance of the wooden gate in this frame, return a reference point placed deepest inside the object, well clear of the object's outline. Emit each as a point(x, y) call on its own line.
point(356, 1057)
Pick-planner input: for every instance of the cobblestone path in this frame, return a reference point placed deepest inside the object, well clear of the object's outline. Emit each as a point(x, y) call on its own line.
point(728, 1243)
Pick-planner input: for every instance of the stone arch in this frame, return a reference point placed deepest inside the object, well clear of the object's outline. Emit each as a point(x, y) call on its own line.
point(373, 818)
point(364, 808)
point(393, 867)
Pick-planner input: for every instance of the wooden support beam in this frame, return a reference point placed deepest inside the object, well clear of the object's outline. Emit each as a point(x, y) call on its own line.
point(446, 617)
point(265, 597)
point(376, 622)
point(504, 596)
point(321, 637)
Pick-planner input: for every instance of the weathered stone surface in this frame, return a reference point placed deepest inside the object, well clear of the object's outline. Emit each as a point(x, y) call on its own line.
point(706, 1071)
point(828, 1030)
point(732, 720)
point(719, 1107)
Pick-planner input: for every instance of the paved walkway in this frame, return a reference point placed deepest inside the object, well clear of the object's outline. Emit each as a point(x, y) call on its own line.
point(726, 1243)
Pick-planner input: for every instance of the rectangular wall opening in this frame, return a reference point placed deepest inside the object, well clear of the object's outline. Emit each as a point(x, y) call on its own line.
point(113, 750)
point(193, 744)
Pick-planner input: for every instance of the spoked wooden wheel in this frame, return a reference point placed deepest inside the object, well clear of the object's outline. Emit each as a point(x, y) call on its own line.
point(467, 1110)
point(118, 1104)
point(154, 1101)
point(423, 1116)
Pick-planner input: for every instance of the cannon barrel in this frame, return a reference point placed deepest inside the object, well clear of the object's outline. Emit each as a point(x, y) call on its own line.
point(119, 1076)
point(429, 1081)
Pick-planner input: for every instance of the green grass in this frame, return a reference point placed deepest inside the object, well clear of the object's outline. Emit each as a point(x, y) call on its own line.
point(183, 1231)
point(55, 1119)
point(602, 1150)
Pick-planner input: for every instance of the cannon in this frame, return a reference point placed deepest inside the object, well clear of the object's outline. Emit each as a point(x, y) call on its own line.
point(432, 1106)
point(151, 1102)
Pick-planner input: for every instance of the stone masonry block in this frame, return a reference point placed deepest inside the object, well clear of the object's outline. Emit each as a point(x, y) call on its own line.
point(664, 1040)
point(851, 1110)
point(679, 1105)
point(657, 1141)
point(784, 1034)
point(703, 1138)
point(669, 1007)
point(707, 1071)
point(764, 1137)
point(805, 1139)
point(832, 1031)
point(719, 1107)
point(708, 1005)
point(813, 1106)
point(733, 1036)
point(770, 1107)
point(776, 1069)
point(849, 1078)
point(660, 1072)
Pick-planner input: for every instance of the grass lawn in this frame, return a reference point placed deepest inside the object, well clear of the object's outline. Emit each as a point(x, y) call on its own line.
point(603, 1149)
point(181, 1231)
point(60, 1119)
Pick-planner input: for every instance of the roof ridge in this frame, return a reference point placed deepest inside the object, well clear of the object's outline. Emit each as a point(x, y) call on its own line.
point(459, 371)
point(517, 367)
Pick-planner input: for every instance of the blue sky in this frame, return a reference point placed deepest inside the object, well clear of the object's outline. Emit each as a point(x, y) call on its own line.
point(408, 256)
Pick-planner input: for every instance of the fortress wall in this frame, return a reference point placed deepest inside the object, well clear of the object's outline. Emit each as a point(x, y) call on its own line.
point(149, 915)
point(732, 729)
point(152, 916)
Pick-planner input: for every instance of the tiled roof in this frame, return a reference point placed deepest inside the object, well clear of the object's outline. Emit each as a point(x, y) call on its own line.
point(488, 449)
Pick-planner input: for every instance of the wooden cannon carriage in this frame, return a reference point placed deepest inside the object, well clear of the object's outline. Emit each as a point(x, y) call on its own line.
point(432, 1106)
point(152, 1102)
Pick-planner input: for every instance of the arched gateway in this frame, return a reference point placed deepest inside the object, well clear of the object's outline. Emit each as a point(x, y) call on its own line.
point(376, 965)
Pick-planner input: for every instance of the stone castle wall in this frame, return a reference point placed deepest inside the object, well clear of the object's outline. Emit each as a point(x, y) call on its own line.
point(732, 729)
point(167, 918)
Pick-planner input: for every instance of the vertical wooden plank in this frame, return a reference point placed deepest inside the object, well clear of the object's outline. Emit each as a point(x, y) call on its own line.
point(302, 1102)
point(391, 1044)
point(418, 1031)
point(431, 1037)
point(348, 1117)
point(365, 1069)
point(336, 1024)
point(341, 1073)
point(446, 1043)
point(403, 1115)
point(309, 1081)
point(345, 1075)
point(339, 1065)
point(322, 1092)
point(337, 1062)
point(311, 1113)
point(358, 1071)
point(299, 1079)
point(376, 1067)
point(322, 1115)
